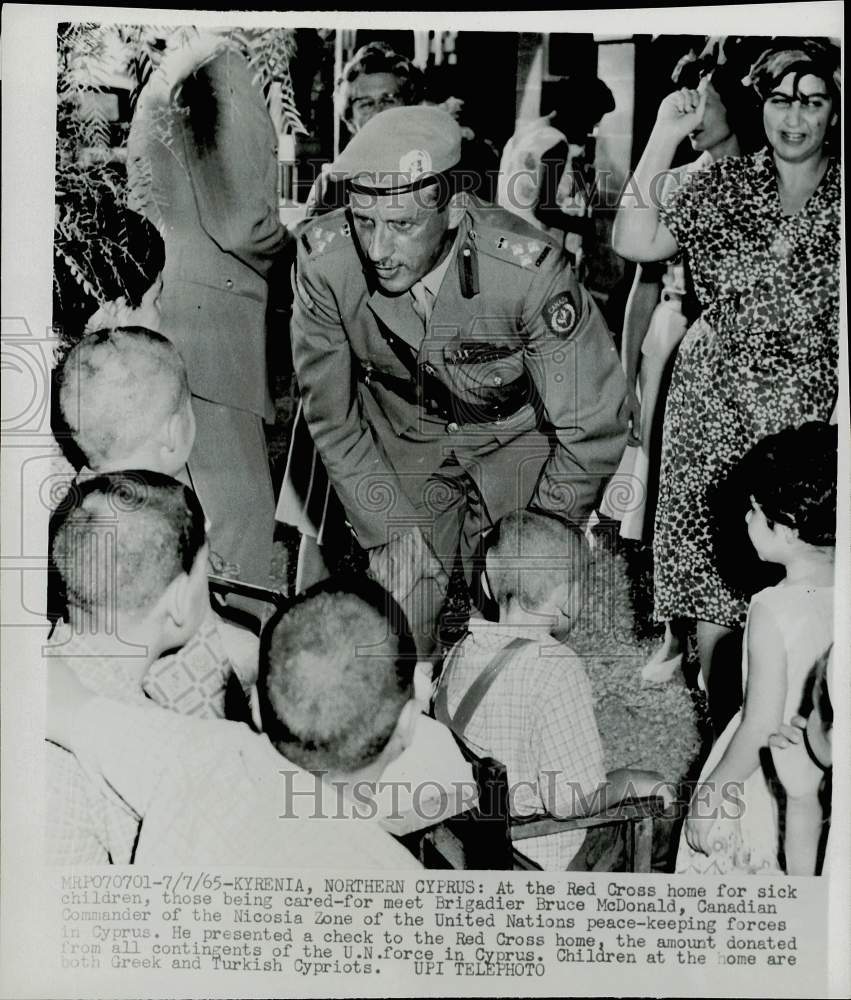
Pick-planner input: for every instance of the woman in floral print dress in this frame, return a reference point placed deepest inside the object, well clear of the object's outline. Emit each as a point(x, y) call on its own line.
point(762, 235)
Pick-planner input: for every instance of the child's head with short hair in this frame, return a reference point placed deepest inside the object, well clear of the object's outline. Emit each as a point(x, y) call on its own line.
point(336, 678)
point(535, 560)
point(131, 549)
point(792, 480)
point(124, 395)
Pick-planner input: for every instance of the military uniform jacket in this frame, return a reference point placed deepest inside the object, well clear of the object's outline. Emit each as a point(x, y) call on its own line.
point(202, 166)
point(517, 377)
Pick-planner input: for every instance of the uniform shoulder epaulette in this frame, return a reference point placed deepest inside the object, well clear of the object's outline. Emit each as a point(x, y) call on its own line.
point(523, 249)
point(325, 234)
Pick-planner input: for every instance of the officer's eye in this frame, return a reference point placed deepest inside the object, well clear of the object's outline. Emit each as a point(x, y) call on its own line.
point(363, 222)
point(401, 225)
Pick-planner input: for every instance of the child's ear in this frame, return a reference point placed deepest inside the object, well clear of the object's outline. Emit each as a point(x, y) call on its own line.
point(172, 431)
point(403, 733)
point(408, 721)
point(176, 600)
point(565, 597)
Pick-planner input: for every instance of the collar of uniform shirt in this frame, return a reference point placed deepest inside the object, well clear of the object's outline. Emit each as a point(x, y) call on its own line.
point(432, 281)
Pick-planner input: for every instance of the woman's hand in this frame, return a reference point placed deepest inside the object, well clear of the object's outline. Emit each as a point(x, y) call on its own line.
point(681, 112)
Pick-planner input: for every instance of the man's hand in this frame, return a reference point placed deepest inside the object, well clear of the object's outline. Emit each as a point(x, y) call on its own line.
point(184, 59)
point(110, 315)
point(405, 561)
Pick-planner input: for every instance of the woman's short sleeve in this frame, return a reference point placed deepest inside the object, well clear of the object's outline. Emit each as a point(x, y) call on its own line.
point(687, 209)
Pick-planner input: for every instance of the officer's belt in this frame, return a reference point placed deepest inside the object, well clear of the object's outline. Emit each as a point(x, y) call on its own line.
point(438, 400)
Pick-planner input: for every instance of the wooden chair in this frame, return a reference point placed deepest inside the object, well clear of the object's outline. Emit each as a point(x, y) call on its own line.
point(634, 816)
point(486, 836)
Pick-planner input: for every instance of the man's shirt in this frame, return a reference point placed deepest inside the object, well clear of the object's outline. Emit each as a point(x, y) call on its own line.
point(214, 792)
point(88, 824)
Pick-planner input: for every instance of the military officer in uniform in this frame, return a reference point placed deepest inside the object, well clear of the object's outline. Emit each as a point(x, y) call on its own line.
point(451, 367)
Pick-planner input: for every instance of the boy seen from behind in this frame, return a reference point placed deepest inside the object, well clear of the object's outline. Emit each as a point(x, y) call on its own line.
point(512, 690)
point(124, 398)
point(132, 552)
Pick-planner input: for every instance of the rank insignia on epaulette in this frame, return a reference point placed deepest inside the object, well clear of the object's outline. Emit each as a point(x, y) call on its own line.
point(500, 243)
point(524, 258)
point(543, 255)
point(346, 230)
point(322, 237)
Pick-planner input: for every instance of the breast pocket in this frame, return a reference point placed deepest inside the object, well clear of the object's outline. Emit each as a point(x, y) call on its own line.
point(484, 371)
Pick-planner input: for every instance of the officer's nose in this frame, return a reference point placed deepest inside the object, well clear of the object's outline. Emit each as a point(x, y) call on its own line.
point(381, 246)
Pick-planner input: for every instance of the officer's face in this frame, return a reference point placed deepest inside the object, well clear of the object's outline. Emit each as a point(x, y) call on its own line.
point(404, 235)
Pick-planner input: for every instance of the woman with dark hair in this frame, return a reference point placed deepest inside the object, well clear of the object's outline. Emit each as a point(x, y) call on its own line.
point(762, 236)
point(662, 304)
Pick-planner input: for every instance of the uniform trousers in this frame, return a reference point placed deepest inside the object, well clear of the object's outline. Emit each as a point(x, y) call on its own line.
point(453, 518)
point(229, 467)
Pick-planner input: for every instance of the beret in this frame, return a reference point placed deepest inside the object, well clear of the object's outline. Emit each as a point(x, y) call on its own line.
point(399, 149)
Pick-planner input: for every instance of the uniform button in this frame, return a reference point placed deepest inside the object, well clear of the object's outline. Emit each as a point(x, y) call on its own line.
point(452, 428)
point(497, 380)
point(229, 283)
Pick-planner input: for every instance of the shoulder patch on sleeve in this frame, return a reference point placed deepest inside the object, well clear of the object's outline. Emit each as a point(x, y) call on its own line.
point(560, 314)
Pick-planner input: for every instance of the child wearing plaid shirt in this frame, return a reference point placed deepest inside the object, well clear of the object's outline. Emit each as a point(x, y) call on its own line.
point(536, 716)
